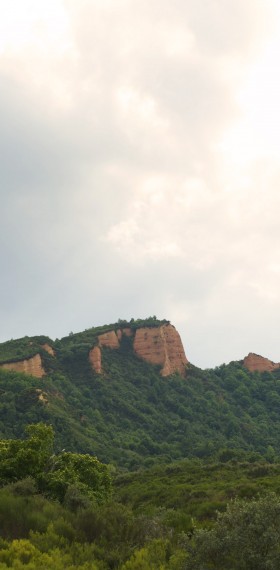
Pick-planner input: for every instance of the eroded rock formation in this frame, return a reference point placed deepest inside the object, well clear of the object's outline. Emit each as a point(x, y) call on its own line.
point(157, 345)
point(32, 366)
point(95, 359)
point(256, 363)
point(109, 339)
point(163, 346)
point(48, 349)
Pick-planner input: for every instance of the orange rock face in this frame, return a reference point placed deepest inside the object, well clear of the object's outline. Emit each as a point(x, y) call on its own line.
point(109, 339)
point(95, 359)
point(158, 345)
point(48, 349)
point(32, 366)
point(255, 363)
point(163, 346)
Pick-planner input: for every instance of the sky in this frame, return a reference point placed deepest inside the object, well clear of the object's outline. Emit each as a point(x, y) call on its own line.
point(140, 170)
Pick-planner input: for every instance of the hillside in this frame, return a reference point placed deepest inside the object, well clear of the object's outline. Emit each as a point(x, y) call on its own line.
point(195, 488)
point(128, 411)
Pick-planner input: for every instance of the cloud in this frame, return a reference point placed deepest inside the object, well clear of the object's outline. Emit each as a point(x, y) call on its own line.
point(130, 184)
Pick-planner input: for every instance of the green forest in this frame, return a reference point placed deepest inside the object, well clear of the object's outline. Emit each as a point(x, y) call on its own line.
point(68, 510)
point(130, 415)
point(129, 470)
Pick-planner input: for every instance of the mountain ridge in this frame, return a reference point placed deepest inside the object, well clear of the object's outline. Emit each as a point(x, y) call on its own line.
point(128, 412)
point(149, 343)
point(156, 342)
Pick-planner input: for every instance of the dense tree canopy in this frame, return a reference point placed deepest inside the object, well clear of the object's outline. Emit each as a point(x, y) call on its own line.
point(130, 415)
point(162, 519)
point(54, 474)
point(245, 537)
point(194, 443)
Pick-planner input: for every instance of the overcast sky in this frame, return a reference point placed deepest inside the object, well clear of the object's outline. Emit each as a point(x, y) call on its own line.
point(140, 169)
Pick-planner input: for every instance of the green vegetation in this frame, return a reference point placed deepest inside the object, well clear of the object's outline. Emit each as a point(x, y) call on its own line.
point(195, 488)
point(193, 480)
point(14, 350)
point(61, 511)
point(135, 324)
point(245, 537)
point(55, 475)
point(131, 416)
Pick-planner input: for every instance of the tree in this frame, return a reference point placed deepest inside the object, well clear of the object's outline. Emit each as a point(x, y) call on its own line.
point(33, 457)
point(27, 457)
point(245, 537)
point(151, 557)
point(82, 473)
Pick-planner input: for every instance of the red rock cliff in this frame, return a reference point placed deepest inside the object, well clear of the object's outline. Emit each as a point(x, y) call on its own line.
point(96, 359)
point(163, 346)
point(32, 366)
point(109, 339)
point(255, 363)
point(48, 349)
point(157, 345)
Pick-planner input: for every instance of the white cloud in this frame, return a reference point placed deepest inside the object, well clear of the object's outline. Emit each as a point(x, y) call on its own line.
point(139, 160)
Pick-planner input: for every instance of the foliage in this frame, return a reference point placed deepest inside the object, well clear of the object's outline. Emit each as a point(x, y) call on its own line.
point(82, 473)
point(150, 322)
point(25, 347)
point(152, 557)
point(195, 445)
point(23, 458)
point(131, 416)
point(54, 474)
point(37, 533)
point(194, 489)
point(245, 537)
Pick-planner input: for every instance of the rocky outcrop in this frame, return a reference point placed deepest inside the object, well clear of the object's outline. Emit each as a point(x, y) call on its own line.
point(157, 345)
point(95, 359)
point(162, 346)
point(109, 339)
point(256, 363)
point(32, 366)
point(48, 349)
